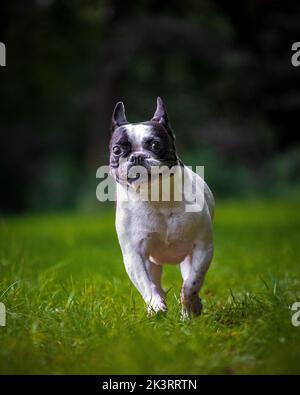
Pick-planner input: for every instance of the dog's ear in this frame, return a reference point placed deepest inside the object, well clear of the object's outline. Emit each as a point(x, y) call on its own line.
point(118, 117)
point(161, 117)
point(160, 114)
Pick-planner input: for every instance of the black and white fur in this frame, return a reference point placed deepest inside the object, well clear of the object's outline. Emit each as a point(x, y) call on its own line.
point(155, 233)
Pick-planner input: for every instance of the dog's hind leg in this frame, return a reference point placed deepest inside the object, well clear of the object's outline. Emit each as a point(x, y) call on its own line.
point(185, 267)
point(193, 270)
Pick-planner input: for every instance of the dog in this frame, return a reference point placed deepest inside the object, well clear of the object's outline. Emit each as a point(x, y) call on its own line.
point(153, 233)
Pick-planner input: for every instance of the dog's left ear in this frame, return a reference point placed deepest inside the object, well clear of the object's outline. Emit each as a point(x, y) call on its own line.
point(160, 114)
point(161, 117)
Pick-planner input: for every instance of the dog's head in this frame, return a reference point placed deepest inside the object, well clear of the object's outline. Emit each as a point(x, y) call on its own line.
point(144, 144)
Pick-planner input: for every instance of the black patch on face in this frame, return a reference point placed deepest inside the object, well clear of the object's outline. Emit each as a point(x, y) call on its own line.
point(119, 138)
point(166, 153)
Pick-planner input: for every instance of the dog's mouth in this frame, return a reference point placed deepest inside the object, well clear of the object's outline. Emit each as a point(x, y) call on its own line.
point(132, 177)
point(142, 174)
point(131, 180)
point(139, 178)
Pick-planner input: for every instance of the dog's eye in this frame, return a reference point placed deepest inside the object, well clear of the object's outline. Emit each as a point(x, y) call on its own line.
point(155, 145)
point(117, 150)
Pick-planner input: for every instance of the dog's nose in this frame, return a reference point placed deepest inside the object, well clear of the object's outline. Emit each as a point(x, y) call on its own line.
point(137, 159)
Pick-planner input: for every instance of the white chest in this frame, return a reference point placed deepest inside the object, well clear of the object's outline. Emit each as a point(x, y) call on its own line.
point(168, 231)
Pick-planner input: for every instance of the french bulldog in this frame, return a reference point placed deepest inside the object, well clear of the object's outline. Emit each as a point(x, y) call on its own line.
point(154, 232)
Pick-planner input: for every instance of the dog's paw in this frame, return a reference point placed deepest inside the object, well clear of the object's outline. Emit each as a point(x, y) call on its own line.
point(156, 305)
point(191, 307)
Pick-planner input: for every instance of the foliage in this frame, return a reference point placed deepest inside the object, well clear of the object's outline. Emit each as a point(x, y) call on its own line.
point(223, 69)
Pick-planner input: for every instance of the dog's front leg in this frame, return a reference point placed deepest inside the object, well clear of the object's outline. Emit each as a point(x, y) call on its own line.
point(193, 270)
point(137, 271)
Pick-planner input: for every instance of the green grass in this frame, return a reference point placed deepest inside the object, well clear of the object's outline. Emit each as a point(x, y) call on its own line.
point(72, 309)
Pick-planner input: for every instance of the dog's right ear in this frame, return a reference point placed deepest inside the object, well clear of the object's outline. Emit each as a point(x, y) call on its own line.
point(118, 117)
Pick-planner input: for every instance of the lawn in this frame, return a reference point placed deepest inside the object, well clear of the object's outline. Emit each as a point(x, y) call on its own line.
point(72, 309)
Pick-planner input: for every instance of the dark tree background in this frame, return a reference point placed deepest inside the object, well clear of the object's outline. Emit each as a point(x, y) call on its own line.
point(223, 69)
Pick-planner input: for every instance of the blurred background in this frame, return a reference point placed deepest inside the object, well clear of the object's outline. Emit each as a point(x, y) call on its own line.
point(222, 68)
